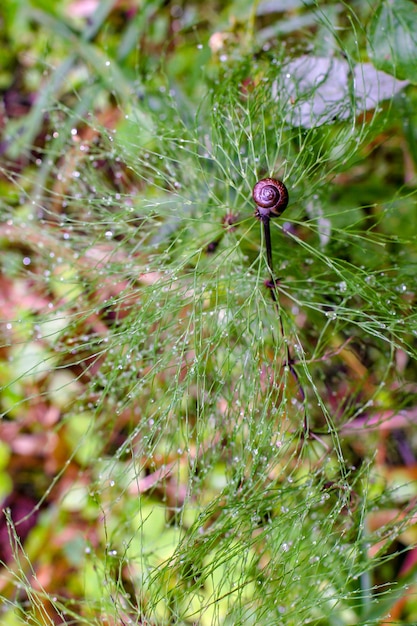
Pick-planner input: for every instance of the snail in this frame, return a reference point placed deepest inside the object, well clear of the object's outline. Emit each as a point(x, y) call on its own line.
point(271, 198)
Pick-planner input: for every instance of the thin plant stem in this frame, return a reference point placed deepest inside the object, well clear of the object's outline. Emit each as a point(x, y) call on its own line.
point(273, 287)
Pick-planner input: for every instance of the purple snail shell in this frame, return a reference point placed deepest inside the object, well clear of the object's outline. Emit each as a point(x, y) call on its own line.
point(271, 197)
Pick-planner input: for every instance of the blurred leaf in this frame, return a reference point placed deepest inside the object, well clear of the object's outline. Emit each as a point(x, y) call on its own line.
point(31, 361)
point(63, 388)
point(65, 283)
point(278, 6)
point(392, 42)
point(408, 114)
point(321, 90)
point(4, 455)
point(84, 441)
point(76, 498)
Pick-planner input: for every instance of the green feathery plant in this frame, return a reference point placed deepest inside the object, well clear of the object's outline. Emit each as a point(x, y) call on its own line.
point(205, 463)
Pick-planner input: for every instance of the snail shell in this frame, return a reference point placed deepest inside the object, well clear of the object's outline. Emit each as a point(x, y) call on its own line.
point(271, 198)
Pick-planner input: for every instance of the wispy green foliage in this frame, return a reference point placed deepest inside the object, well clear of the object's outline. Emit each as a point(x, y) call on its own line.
point(192, 473)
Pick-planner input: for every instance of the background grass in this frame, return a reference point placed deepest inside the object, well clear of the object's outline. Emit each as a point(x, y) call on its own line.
point(175, 448)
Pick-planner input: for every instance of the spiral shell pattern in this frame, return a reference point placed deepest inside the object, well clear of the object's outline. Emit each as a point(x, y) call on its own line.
point(271, 197)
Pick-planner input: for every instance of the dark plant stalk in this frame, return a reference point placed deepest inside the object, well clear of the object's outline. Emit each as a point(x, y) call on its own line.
point(271, 198)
